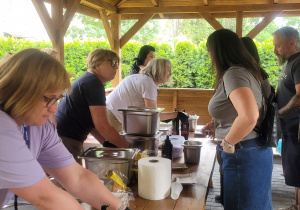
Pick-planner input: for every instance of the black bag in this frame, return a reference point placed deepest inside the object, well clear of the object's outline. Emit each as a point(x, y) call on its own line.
point(270, 128)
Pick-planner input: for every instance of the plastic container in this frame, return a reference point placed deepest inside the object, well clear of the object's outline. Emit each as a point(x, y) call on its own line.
point(177, 142)
point(193, 122)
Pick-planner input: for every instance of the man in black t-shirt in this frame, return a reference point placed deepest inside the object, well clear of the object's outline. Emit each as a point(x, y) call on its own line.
point(286, 47)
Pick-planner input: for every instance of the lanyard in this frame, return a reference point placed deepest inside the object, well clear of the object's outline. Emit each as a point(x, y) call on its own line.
point(26, 138)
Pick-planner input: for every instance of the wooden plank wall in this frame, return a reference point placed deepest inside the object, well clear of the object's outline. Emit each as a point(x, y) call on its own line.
point(194, 101)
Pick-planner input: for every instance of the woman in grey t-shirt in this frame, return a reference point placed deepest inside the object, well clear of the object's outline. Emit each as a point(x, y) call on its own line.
point(237, 110)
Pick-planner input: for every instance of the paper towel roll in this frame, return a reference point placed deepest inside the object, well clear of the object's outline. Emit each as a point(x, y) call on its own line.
point(154, 178)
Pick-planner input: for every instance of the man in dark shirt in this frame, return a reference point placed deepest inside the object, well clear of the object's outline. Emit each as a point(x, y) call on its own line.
point(286, 47)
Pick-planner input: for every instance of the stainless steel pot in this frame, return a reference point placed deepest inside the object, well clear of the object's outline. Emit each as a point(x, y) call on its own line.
point(141, 121)
point(101, 159)
point(149, 144)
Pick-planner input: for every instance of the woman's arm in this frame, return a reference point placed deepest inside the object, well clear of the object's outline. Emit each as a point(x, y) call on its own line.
point(100, 120)
point(245, 104)
point(85, 185)
point(45, 195)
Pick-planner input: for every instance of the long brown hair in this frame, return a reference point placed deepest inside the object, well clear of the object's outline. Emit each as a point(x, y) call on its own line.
point(227, 50)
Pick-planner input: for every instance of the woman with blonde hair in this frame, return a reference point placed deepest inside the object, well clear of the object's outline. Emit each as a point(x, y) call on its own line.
point(31, 83)
point(139, 90)
point(84, 110)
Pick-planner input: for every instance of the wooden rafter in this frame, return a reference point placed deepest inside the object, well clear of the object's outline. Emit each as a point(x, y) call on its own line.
point(259, 27)
point(120, 2)
point(69, 14)
point(161, 15)
point(215, 15)
point(134, 29)
point(155, 2)
point(45, 18)
point(99, 4)
point(210, 8)
point(239, 23)
point(107, 27)
point(205, 2)
point(211, 20)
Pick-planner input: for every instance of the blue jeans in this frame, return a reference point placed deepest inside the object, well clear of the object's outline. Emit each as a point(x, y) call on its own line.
point(248, 176)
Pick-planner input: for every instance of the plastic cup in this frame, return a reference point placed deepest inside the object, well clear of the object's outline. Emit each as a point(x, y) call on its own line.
point(176, 189)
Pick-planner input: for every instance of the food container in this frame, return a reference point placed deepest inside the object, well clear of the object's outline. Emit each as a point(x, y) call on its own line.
point(193, 122)
point(149, 144)
point(192, 151)
point(177, 142)
point(141, 121)
point(101, 159)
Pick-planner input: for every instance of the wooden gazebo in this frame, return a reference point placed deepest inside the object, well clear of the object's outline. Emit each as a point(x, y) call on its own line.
point(111, 12)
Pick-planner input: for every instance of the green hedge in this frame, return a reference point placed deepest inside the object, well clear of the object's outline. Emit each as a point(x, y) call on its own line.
point(191, 67)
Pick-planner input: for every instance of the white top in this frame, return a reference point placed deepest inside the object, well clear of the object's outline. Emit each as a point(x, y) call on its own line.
point(131, 92)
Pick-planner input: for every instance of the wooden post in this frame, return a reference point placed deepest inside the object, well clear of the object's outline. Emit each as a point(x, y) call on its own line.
point(57, 17)
point(239, 23)
point(116, 33)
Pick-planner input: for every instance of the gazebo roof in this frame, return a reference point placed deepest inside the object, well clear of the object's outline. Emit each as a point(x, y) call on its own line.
point(190, 9)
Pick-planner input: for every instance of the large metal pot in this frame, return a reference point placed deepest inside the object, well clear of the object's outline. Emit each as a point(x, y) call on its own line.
point(141, 121)
point(101, 159)
point(149, 144)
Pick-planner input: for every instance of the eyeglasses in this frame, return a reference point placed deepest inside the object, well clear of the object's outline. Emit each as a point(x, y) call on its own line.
point(113, 63)
point(51, 101)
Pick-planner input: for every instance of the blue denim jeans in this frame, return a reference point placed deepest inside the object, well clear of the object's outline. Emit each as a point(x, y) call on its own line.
point(248, 176)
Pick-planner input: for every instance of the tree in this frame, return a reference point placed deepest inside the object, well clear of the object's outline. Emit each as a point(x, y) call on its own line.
point(83, 27)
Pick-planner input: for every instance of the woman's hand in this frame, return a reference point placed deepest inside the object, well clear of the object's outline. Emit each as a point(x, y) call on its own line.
point(209, 129)
point(228, 150)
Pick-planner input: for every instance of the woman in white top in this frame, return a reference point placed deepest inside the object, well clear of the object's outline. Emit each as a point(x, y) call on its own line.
point(139, 90)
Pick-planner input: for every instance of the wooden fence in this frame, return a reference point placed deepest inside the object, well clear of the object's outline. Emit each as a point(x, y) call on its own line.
point(194, 101)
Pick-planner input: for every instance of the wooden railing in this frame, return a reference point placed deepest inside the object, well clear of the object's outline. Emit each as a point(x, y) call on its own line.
point(194, 101)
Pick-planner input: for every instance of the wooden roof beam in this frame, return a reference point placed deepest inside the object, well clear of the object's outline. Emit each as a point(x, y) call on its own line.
point(45, 18)
point(135, 28)
point(214, 15)
point(155, 3)
point(107, 27)
point(211, 20)
point(221, 9)
point(205, 2)
point(99, 4)
point(120, 2)
point(259, 27)
point(69, 14)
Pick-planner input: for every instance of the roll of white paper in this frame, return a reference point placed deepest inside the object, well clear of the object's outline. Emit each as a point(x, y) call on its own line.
point(154, 178)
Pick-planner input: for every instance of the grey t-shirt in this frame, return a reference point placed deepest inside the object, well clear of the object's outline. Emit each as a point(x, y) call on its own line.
point(221, 108)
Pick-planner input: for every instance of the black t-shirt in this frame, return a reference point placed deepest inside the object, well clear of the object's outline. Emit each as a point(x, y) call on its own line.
point(73, 117)
point(289, 77)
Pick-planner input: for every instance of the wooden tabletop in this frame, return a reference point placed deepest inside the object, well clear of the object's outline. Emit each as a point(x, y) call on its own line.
point(192, 196)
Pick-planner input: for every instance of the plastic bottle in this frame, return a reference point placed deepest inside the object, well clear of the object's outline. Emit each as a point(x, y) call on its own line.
point(167, 149)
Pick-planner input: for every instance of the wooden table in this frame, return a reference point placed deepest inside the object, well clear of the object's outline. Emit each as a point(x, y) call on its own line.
point(192, 196)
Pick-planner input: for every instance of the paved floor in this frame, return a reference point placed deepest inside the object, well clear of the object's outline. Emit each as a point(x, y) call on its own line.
point(282, 195)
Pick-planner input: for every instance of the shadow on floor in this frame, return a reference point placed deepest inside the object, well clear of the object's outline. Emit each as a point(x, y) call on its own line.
point(282, 195)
